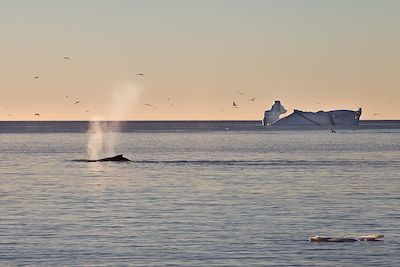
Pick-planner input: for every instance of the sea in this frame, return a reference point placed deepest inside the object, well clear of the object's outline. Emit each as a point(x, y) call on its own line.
point(199, 193)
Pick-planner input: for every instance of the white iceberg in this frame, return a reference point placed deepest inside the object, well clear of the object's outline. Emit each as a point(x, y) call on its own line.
point(303, 118)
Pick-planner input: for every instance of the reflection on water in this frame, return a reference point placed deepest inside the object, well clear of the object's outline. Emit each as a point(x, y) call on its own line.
point(242, 198)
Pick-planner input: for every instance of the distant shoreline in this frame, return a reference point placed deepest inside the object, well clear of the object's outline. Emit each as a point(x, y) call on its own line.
point(15, 127)
point(1, 121)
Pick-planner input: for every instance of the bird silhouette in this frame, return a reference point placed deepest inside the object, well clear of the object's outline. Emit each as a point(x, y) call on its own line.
point(150, 105)
point(77, 102)
point(234, 105)
point(66, 58)
point(36, 77)
point(239, 93)
point(252, 99)
point(139, 74)
point(37, 114)
point(333, 131)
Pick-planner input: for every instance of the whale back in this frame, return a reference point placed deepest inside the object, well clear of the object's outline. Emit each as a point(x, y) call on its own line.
point(115, 158)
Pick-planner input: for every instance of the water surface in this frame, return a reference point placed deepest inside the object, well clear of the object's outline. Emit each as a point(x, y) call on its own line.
point(242, 196)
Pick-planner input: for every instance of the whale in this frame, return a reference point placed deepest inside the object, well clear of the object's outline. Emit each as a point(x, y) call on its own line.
point(117, 158)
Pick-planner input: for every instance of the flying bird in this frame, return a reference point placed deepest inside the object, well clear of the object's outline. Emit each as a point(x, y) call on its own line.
point(77, 102)
point(36, 77)
point(37, 114)
point(140, 74)
point(252, 99)
point(9, 114)
point(66, 58)
point(150, 105)
point(333, 131)
point(239, 93)
point(376, 114)
point(234, 105)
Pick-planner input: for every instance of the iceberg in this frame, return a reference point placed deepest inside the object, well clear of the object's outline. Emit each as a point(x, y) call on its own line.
point(304, 118)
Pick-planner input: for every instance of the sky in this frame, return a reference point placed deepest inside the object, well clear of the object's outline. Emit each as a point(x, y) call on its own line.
point(197, 57)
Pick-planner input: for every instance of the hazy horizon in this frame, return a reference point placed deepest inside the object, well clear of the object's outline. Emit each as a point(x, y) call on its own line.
point(197, 57)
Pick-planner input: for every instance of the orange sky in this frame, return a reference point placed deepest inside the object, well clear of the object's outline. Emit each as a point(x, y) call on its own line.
point(195, 56)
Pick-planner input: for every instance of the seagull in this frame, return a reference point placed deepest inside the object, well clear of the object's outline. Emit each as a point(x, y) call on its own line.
point(140, 74)
point(239, 93)
point(234, 105)
point(37, 114)
point(77, 102)
point(66, 58)
point(333, 131)
point(252, 99)
point(36, 77)
point(150, 105)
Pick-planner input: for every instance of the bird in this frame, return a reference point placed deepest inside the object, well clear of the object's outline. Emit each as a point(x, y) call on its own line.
point(139, 74)
point(234, 105)
point(376, 114)
point(333, 131)
point(37, 114)
point(9, 114)
point(150, 105)
point(36, 77)
point(77, 102)
point(66, 58)
point(252, 99)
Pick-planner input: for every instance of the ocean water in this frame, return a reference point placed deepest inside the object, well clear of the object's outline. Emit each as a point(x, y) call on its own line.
point(199, 194)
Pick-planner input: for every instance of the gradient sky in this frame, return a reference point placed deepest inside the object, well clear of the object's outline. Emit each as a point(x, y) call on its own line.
point(311, 55)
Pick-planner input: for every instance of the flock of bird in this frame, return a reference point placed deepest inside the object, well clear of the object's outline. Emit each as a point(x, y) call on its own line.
point(37, 114)
point(234, 103)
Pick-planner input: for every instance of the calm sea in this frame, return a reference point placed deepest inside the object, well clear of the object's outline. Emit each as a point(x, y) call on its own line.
point(199, 194)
